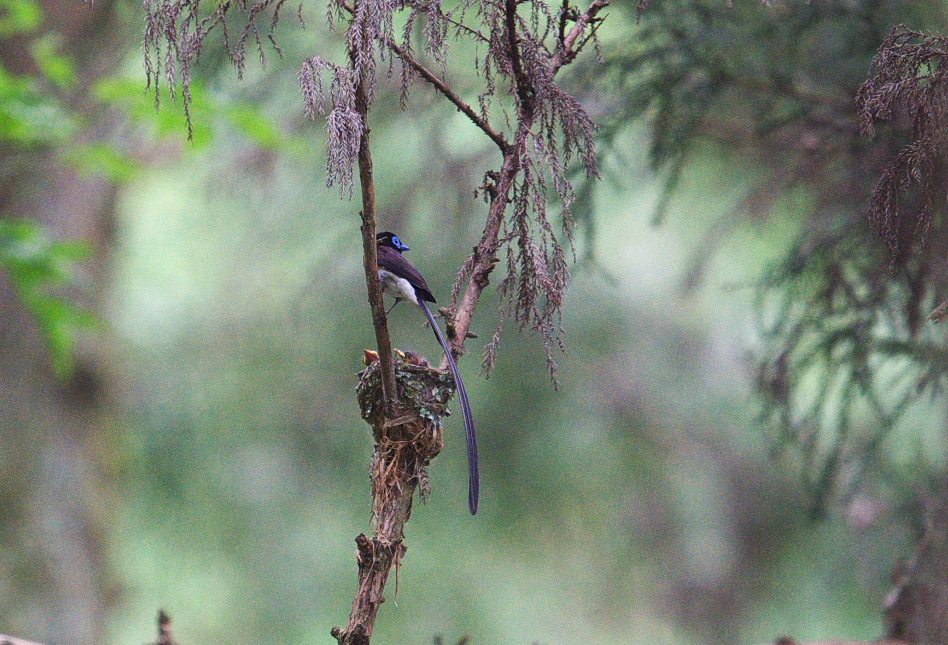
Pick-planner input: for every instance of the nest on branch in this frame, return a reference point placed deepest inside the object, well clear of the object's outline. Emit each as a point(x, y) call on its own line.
point(409, 436)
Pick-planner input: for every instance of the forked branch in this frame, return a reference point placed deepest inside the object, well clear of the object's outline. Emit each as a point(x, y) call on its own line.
point(568, 49)
point(482, 261)
point(407, 435)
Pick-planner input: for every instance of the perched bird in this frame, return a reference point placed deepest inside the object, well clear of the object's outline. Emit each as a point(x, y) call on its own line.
point(401, 280)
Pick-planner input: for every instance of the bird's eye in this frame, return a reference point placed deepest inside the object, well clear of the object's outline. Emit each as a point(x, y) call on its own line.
point(397, 243)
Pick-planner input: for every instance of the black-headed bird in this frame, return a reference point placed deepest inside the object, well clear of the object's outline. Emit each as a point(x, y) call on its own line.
point(401, 280)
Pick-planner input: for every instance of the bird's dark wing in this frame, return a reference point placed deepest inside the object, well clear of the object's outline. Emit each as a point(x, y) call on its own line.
point(395, 263)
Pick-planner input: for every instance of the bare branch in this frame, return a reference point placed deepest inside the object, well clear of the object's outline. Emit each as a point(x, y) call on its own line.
point(369, 248)
point(566, 50)
point(484, 256)
point(406, 440)
point(442, 87)
point(164, 629)
point(452, 96)
point(522, 82)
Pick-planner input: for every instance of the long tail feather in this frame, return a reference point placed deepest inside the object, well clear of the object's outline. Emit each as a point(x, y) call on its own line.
point(474, 480)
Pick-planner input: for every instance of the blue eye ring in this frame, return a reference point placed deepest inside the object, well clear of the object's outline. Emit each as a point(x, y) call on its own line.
point(397, 243)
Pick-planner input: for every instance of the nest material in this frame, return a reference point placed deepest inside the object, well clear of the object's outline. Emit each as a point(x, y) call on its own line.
point(410, 437)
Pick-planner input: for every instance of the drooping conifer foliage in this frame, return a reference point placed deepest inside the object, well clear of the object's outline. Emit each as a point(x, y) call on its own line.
point(175, 31)
point(538, 127)
point(845, 347)
point(908, 88)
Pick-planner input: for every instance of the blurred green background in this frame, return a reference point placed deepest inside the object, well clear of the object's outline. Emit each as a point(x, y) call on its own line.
point(202, 450)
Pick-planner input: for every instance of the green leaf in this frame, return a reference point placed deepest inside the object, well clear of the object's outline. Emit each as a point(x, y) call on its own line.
point(34, 263)
point(57, 67)
point(102, 159)
point(19, 16)
point(260, 129)
point(27, 116)
point(129, 96)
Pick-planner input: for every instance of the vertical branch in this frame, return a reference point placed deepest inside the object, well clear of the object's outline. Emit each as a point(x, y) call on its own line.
point(404, 446)
point(370, 258)
point(522, 82)
point(369, 250)
point(376, 557)
point(164, 629)
point(395, 461)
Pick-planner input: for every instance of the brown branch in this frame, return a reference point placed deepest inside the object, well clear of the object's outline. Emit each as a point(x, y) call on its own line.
point(371, 262)
point(564, 18)
point(522, 82)
point(405, 443)
point(485, 253)
point(567, 50)
point(369, 250)
point(915, 610)
point(376, 556)
point(484, 256)
point(399, 459)
point(164, 629)
point(442, 87)
point(449, 94)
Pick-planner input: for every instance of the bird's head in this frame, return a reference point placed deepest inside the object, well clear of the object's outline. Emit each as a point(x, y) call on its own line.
point(391, 240)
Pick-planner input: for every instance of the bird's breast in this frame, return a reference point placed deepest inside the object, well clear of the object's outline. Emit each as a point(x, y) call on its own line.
point(397, 286)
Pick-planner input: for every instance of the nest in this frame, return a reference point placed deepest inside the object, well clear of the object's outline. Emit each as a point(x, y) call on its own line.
point(410, 436)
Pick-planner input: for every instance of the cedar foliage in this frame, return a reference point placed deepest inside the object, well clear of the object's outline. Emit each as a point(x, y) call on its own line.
point(845, 350)
point(520, 46)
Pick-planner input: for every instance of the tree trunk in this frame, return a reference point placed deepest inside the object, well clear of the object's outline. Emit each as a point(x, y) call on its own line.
point(55, 498)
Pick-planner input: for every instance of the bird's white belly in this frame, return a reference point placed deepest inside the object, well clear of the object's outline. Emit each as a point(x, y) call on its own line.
point(397, 287)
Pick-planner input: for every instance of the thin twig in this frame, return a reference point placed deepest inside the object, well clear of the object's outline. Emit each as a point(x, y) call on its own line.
point(446, 91)
point(567, 51)
point(449, 94)
point(473, 32)
point(164, 629)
